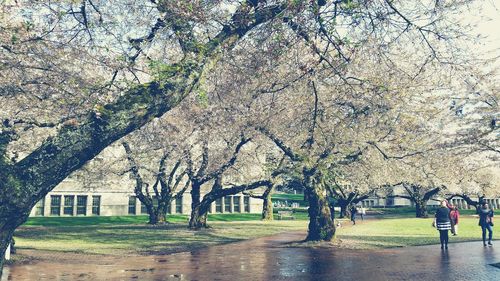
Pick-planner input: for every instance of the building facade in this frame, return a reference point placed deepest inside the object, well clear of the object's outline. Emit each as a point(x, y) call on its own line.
point(435, 201)
point(69, 200)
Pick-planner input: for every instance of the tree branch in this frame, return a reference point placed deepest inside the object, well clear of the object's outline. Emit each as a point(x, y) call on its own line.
point(240, 188)
point(387, 157)
point(229, 163)
point(431, 193)
point(280, 144)
point(310, 141)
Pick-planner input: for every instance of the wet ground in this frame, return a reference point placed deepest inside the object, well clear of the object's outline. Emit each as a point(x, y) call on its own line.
point(273, 258)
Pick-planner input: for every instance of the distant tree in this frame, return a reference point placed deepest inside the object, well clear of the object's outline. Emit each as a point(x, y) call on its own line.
point(218, 191)
point(350, 184)
point(309, 167)
point(267, 202)
point(419, 195)
point(424, 177)
point(167, 187)
point(474, 183)
point(200, 175)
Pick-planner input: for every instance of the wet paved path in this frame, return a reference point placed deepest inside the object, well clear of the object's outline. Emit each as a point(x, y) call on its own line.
point(271, 258)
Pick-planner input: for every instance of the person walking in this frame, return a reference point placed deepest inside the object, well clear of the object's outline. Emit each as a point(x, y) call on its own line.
point(354, 211)
point(362, 213)
point(442, 223)
point(486, 222)
point(454, 216)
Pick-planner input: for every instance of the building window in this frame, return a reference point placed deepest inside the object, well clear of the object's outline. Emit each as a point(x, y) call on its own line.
point(178, 205)
point(55, 205)
point(218, 205)
point(236, 204)
point(81, 205)
point(132, 203)
point(389, 201)
point(40, 207)
point(246, 203)
point(69, 202)
point(227, 204)
point(96, 205)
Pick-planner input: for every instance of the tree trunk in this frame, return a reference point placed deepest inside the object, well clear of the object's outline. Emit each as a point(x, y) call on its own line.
point(267, 208)
point(332, 209)
point(15, 206)
point(198, 218)
point(421, 209)
point(6, 232)
point(195, 196)
point(199, 209)
point(161, 217)
point(321, 226)
point(157, 217)
point(153, 219)
point(343, 210)
point(161, 213)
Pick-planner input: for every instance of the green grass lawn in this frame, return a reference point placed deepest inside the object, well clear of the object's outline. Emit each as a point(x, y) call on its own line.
point(401, 232)
point(399, 212)
point(290, 198)
point(126, 220)
point(300, 214)
point(131, 235)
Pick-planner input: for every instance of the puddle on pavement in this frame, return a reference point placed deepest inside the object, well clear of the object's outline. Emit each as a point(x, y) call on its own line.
point(266, 259)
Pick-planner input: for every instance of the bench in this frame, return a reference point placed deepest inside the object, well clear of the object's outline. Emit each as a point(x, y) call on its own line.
point(285, 214)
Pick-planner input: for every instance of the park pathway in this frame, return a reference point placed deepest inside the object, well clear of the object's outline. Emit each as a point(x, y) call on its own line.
point(274, 258)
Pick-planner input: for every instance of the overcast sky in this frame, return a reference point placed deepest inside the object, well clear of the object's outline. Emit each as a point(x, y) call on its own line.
point(489, 25)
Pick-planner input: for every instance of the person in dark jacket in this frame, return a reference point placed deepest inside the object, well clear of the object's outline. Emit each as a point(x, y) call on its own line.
point(486, 222)
point(354, 211)
point(443, 223)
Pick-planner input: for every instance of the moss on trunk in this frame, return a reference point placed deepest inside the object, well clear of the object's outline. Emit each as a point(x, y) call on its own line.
point(157, 218)
point(267, 208)
point(267, 204)
point(321, 225)
point(198, 218)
